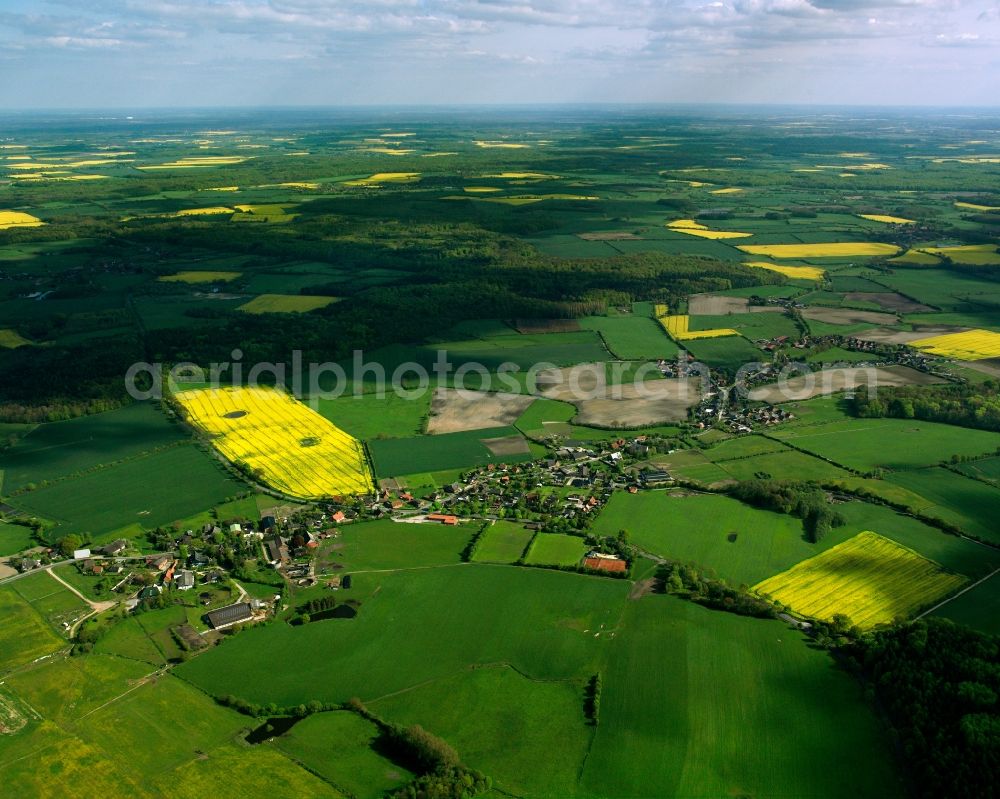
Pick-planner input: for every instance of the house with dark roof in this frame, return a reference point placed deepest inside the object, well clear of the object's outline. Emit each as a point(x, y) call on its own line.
point(185, 581)
point(115, 547)
point(229, 615)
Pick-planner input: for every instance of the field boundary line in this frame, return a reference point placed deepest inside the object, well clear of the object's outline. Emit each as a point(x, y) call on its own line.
point(980, 581)
point(139, 684)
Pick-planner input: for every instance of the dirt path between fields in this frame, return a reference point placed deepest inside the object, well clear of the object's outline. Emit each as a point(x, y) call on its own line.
point(95, 607)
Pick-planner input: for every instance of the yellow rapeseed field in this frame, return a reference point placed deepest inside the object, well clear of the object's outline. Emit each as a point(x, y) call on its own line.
point(384, 177)
point(971, 345)
point(889, 220)
point(387, 150)
point(795, 272)
point(523, 176)
point(867, 578)
point(677, 327)
point(693, 228)
point(839, 249)
point(199, 277)
point(11, 339)
point(198, 161)
point(12, 219)
point(222, 188)
point(973, 254)
point(286, 303)
point(975, 207)
point(726, 191)
point(296, 450)
point(503, 145)
point(660, 310)
point(214, 211)
point(481, 189)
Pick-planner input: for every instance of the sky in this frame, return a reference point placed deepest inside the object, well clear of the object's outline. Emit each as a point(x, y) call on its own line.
point(191, 53)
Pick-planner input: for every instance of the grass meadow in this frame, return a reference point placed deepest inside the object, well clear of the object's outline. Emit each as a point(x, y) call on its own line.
point(385, 544)
point(155, 489)
point(502, 542)
point(865, 444)
point(59, 449)
point(683, 714)
point(401, 456)
point(339, 747)
point(533, 619)
point(553, 549)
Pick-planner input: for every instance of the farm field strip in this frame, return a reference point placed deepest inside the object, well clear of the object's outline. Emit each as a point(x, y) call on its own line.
point(285, 303)
point(297, 450)
point(867, 578)
point(693, 228)
point(838, 249)
point(794, 272)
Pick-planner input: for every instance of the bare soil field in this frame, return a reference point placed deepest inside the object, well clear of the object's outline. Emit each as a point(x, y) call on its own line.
point(988, 366)
point(883, 335)
point(609, 235)
point(720, 305)
point(507, 445)
point(829, 381)
point(627, 405)
point(889, 300)
point(847, 316)
point(529, 326)
point(453, 411)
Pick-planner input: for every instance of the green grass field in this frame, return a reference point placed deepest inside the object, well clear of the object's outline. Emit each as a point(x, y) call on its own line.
point(753, 326)
point(14, 538)
point(742, 447)
point(683, 713)
point(972, 505)
point(179, 742)
point(128, 639)
point(986, 469)
point(65, 690)
point(632, 337)
point(384, 544)
point(62, 448)
point(545, 417)
point(891, 443)
point(368, 416)
point(551, 549)
point(542, 726)
point(339, 747)
point(730, 352)
point(785, 465)
point(978, 608)
point(24, 634)
point(533, 619)
point(51, 599)
point(502, 542)
point(400, 456)
point(698, 529)
point(141, 494)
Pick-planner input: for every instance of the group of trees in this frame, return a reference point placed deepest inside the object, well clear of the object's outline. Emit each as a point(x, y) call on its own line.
point(965, 405)
point(797, 499)
point(939, 685)
point(688, 582)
